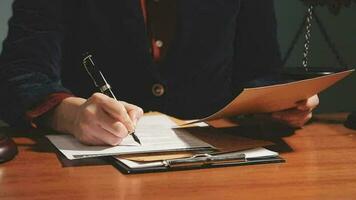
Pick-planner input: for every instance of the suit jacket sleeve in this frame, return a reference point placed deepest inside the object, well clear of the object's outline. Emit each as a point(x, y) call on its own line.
point(31, 57)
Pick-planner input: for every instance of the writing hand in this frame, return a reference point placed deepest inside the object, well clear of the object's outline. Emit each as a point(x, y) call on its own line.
point(99, 120)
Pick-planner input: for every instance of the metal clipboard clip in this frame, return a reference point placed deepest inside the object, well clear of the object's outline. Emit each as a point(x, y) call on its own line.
point(205, 159)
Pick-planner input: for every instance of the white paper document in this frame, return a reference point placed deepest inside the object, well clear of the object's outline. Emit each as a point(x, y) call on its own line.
point(156, 134)
point(249, 154)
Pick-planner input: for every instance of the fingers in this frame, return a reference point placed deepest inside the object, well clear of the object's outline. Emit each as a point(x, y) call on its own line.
point(96, 135)
point(300, 115)
point(293, 117)
point(300, 122)
point(103, 120)
point(115, 109)
point(111, 125)
point(290, 114)
point(94, 127)
point(134, 112)
point(308, 104)
point(107, 138)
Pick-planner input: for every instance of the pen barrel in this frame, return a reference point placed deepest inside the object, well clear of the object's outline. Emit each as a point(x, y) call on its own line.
point(100, 82)
point(107, 91)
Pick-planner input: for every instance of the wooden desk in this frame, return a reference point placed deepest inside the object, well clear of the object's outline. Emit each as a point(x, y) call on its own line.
point(321, 164)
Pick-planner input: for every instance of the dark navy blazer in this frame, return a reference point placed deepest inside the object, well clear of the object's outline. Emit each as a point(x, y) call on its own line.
point(219, 45)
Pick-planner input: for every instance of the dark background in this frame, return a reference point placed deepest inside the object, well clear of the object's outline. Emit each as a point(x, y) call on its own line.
point(341, 28)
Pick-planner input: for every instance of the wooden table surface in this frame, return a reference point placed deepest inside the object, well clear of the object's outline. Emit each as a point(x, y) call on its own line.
point(320, 164)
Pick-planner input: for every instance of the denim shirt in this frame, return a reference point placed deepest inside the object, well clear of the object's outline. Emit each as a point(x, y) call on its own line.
point(219, 46)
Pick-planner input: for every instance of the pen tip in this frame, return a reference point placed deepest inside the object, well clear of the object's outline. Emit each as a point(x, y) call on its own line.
point(139, 142)
point(136, 138)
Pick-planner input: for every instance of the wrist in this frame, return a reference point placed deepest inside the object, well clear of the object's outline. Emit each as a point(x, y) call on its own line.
point(63, 116)
point(38, 116)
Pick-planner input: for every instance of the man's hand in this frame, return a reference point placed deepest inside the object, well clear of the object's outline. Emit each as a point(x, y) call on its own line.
point(298, 116)
point(100, 120)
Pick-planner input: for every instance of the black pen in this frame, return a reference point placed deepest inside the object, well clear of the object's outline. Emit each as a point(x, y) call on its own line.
point(100, 82)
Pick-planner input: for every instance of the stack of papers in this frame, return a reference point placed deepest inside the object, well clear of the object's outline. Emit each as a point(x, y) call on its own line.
point(156, 133)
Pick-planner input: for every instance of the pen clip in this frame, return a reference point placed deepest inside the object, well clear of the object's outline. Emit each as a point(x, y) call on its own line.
point(97, 76)
point(89, 66)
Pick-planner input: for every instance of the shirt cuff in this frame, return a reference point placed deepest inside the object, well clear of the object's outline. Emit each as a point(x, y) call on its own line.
point(48, 104)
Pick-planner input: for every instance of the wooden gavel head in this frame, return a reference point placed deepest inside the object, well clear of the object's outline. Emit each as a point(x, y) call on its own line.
point(8, 148)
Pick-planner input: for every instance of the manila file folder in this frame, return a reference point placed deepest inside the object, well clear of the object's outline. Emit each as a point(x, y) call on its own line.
point(273, 98)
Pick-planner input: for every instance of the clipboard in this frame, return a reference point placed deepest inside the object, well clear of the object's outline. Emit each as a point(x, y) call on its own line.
point(197, 161)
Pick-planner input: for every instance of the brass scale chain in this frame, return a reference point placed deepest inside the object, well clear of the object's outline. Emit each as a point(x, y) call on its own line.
point(307, 22)
point(307, 37)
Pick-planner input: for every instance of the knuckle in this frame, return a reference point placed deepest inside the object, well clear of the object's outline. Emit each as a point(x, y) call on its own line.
point(121, 130)
point(88, 113)
point(97, 97)
point(114, 102)
point(120, 105)
point(111, 101)
point(127, 122)
point(140, 111)
point(116, 128)
point(123, 102)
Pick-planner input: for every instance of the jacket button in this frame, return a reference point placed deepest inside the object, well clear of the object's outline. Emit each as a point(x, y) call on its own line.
point(159, 43)
point(157, 89)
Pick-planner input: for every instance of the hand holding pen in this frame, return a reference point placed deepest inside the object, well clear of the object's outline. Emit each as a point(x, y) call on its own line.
point(116, 118)
point(98, 120)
